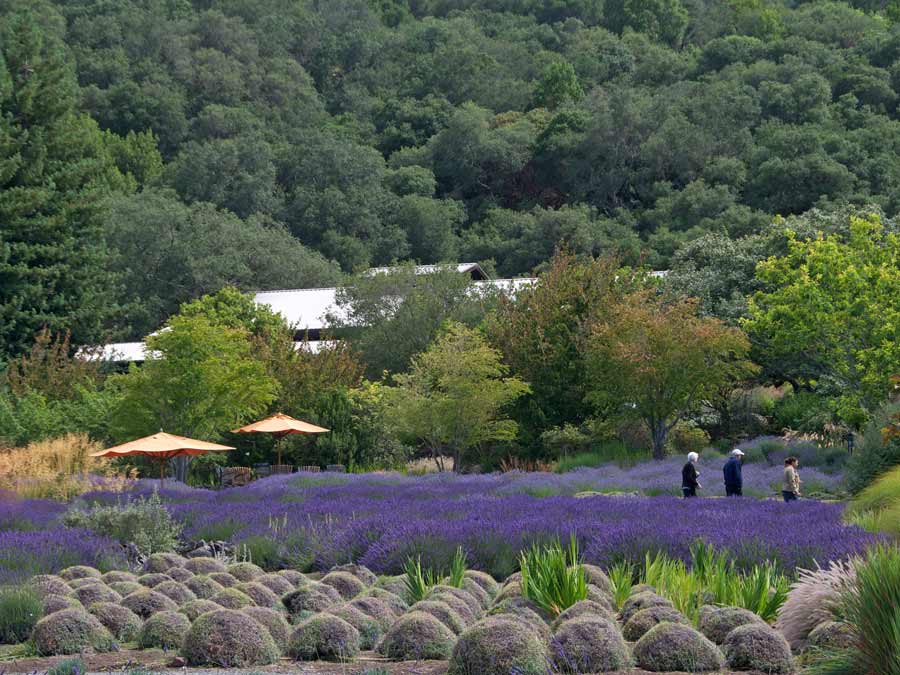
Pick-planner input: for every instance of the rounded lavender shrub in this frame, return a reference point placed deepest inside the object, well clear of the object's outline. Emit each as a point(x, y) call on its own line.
point(180, 574)
point(295, 578)
point(124, 588)
point(194, 608)
point(498, 646)
point(70, 631)
point(641, 588)
point(75, 584)
point(224, 579)
point(758, 647)
point(163, 562)
point(596, 595)
point(176, 592)
point(116, 576)
point(203, 586)
point(245, 571)
point(583, 608)
point(274, 622)
point(260, 595)
point(79, 572)
point(49, 584)
point(204, 565)
point(717, 622)
point(275, 583)
point(460, 607)
point(636, 603)
point(123, 624)
point(832, 635)
point(88, 595)
point(228, 639)
point(324, 637)
point(146, 603)
point(313, 598)
point(477, 592)
point(394, 601)
point(376, 609)
point(642, 621)
point(589, 644)
point(441, 590)
point(54, 603)
point(369, 630)
point(344, 583)
point(361, 572)
point(674, 646)
point(486, 581)
point(416, 636)
point(164, 630)
point(396, 585)
point(525, 611)
point(443, 613)
point(153, 579)
point(597, 577)
point(511, 589)
point(232, 598)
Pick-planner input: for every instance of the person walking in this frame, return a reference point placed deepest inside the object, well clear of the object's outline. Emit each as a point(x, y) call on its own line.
point(790, 490)
point(734, 481)
point(690, 475)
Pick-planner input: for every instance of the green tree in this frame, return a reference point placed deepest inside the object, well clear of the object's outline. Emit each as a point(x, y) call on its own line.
point(663, 20)
point(826, 318)
point(453, 397)
point(557, 86)
point(657, 361)
point(55, 174)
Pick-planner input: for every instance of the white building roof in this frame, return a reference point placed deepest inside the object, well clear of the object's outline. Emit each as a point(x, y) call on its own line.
point(137, 352)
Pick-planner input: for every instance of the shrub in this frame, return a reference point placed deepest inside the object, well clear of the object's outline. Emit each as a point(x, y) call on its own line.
point(509, 590)
point(685, 438)
point(245, 571)
point(881, 496)
point(194, 608)
point(147, 603)
point(123, 624)
point(53, 603)
point(274, 622)
point(228, 639)
point(832, 635)
point(642, 621)
point(416, 636)
point(176, 592)
point(361, 572)
point(293, 577)
point(180, 574)
point(153, 579)
point(275, 583)
point(86, 581)
point(498, 646)
point(46, 584)
point(673, 646)
point(74, 666)
point(755, 646)
point(875, 454)
point(397, 604)
point(260, 595)
point(717, 622)
point(486, 581)
point(418, 581)
point(370, 631)
point(802, 411)
point(165, 630)
point(203, 586)
point(20, 609)
point(115, 576)
point(462, 608)
point(163, 561)
point(396, 585)
point(79, 572)
point(583, 608)
point(589, 644)
point(621, 578)
point(70, 631)
point(224, 579)
point(812, 600)
point(324, 637)
point(144, 522)
point(597, 577)
point(442, 612)
point(124, 588)
point(88, 595)
point(526, 613)
point(232, 598)
point(313, 598)
point(640, 601)
point(344, 583)
point(552, 576)
point(205, 565)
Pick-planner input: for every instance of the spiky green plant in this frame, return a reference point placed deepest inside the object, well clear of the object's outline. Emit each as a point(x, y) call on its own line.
point(621, 576)
point(763, 591)
point(458, 568)
point(418, 580)
point(552, 576)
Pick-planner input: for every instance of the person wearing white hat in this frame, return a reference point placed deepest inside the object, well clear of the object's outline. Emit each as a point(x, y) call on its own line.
point(734, 481)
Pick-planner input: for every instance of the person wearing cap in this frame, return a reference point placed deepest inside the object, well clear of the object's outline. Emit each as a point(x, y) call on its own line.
point(734, 481)
point(689, 476)
point(790, 490)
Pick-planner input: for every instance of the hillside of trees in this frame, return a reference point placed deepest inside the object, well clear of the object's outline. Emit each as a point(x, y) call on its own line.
point(152, 151)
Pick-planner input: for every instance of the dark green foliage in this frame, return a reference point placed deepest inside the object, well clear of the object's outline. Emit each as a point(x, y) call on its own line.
point(20, 609)
point(874, 454)
point(144, 522)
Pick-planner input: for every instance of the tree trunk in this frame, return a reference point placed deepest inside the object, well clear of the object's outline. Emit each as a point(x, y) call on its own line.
point(659, 431)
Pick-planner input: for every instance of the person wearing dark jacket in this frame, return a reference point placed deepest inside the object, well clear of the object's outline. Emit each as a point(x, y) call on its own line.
point(689, 476)
point(734, 481)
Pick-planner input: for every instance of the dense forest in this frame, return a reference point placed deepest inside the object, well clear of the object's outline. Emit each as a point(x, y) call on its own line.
point(155, 150)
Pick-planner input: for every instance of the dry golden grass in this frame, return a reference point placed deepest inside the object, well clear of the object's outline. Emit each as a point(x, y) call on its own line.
point(58, 468)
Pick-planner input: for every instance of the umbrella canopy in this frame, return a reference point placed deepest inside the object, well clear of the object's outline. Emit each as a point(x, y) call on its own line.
point(162, 447)
point(281, 425)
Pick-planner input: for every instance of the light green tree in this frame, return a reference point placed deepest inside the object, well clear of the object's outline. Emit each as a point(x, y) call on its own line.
point(453, 397)
point(828, 318)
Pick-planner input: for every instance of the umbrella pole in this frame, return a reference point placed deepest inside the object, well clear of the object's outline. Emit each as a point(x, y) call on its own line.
point(278, 443)
point(162, 472)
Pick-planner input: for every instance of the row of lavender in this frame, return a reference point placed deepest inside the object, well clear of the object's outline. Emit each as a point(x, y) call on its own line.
point(318, 521)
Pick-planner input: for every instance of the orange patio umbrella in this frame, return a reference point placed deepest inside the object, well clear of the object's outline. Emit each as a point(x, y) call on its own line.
point(281, 425)
point(162, 447)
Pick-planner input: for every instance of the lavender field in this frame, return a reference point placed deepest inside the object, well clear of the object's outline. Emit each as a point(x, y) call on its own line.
point(316, 521)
